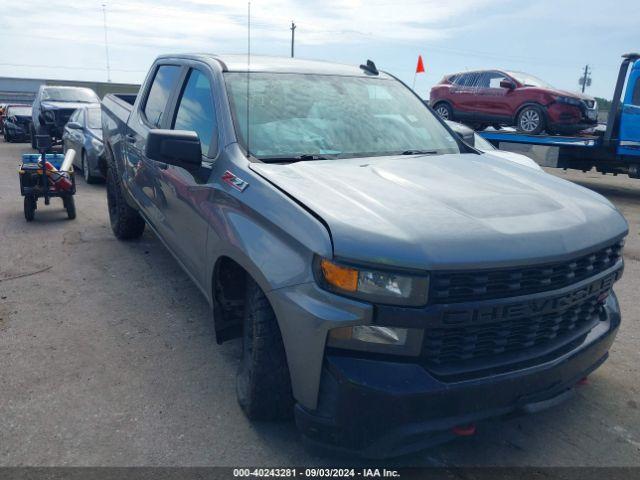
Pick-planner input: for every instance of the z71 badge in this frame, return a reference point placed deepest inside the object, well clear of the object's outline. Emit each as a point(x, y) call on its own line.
point(237, 183)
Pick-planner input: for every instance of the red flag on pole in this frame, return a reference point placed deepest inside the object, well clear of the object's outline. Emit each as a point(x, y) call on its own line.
point(420, 66)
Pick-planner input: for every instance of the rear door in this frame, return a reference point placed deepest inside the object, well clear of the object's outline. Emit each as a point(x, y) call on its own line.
point(464, 96)
point(188, 193)
point(152, 112)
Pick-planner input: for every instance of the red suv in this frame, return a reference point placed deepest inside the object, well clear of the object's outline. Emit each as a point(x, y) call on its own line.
point(497, 97)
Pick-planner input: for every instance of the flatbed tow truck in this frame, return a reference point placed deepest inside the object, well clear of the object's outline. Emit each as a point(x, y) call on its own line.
point(615, 150)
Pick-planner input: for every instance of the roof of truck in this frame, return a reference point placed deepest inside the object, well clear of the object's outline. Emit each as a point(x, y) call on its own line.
point(264, 63)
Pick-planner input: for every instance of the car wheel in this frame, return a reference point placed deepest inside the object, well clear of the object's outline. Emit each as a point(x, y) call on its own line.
point(126, 222)
point(444, 110)
point(86, 170)
point(530, 120)
point(263, 385)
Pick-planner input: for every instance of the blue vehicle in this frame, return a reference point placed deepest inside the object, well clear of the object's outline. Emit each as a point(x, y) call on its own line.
point(616, 149)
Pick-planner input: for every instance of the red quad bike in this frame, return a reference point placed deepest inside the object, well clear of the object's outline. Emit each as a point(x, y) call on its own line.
point(41, 176)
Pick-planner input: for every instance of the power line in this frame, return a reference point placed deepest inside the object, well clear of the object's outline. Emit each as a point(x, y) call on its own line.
point(68, 67)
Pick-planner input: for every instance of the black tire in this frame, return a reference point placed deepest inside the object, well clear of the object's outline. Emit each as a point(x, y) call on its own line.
point(444, 110)
point(70, 206)
point(86, 170)
point(263, 384)
point(32, 131)
point(530, 120)
point(29, 208)
point(126, 222)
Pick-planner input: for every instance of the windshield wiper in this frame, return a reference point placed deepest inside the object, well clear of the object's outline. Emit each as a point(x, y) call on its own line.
point(419, 152)
point(300, 158)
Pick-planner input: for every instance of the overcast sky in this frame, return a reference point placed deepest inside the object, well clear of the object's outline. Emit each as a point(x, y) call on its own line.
point(552, 39)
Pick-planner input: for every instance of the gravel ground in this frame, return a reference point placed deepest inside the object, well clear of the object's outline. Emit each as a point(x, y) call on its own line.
point(107, 357)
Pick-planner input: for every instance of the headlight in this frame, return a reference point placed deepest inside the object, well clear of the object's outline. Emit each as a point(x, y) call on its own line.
point(376, 286)
point(49, 116)
point(569, 100)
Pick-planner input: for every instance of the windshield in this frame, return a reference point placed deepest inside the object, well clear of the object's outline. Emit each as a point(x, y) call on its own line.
point(94, 119)
point(21, 111)
point(529, 80)
point(83, 95)
point(482, 144)
point(330, 116)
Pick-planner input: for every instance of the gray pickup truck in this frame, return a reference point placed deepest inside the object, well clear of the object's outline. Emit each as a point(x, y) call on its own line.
point(390, 284)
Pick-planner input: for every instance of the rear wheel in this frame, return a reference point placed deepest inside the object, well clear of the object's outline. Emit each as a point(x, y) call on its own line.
point(29, 208)
point(126, 222)
point(444, 110)
point(263, 385)
point(69, 205)
point(530, 120)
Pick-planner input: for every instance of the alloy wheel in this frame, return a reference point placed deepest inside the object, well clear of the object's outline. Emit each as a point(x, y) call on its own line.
point(443, 112)
point(529, 120)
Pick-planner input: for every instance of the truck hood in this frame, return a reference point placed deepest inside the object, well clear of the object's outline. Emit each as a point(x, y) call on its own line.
point(447, 211)
point(51, 105)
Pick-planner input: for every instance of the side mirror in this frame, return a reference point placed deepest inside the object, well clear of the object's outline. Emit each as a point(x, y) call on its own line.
point(74, 126)
point(508, 84)
point(174, 147)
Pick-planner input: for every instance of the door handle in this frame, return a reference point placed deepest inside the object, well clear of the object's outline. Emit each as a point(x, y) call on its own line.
point(130, 138)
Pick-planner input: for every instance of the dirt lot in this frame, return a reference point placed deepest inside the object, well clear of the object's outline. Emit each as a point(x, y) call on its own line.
point(107, 357)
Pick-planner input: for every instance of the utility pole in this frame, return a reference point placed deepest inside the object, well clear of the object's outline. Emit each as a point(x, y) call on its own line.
point(106, 40)
point(585, 80)
point(293, 36)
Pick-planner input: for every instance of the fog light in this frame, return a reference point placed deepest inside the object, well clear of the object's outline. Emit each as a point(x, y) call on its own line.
point(375, 338)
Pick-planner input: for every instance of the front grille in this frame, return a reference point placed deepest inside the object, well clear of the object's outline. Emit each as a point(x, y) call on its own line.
point(452, 287)
point(469, 348)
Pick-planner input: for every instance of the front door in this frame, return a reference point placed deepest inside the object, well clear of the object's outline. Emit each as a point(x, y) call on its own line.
point(188, 193)
point(143, 174)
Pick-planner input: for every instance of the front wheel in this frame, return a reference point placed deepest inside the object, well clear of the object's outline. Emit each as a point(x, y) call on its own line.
point(86, 170)
point(263, 385)
point(530, 120)
point(32, 131)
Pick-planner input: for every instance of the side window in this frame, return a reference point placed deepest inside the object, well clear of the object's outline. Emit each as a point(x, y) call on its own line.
point(163, 83)
point(80, 117)
point(196, 112)
point(635, 98)
point(460, 79)
point(483, 80)
point(495, 78)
